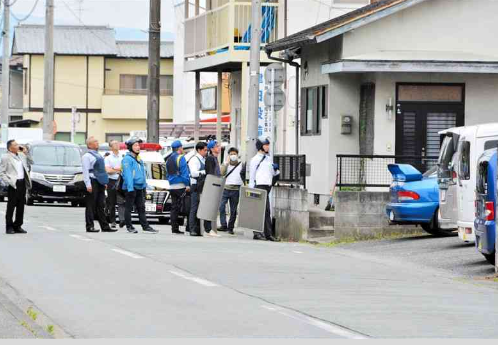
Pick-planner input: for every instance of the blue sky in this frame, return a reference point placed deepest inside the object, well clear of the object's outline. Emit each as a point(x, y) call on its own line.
point(129, 17)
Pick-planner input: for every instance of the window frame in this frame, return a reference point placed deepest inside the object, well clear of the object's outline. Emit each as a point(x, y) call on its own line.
point(464, 175)
point(123, 135)
point(319, 109)
point(143, 91)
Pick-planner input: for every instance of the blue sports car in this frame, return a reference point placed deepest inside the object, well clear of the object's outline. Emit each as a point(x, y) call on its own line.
point(414, 198)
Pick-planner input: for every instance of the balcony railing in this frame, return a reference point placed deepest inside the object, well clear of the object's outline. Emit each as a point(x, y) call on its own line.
point(227, 27)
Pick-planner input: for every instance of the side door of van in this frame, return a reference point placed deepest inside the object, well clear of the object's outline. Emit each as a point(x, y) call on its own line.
point(448, 210)
point(464, 176)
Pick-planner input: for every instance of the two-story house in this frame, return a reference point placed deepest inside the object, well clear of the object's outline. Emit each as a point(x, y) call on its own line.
point(105, 79)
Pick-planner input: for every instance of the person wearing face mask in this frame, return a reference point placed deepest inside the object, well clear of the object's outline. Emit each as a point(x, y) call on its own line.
point(234, 172)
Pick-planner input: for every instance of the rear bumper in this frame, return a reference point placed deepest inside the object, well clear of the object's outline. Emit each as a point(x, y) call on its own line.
point(42, 190)
point(411, 213)
point(464, 233)
point(485, 237)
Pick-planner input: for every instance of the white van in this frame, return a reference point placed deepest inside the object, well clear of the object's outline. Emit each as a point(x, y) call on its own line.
point(472, 142)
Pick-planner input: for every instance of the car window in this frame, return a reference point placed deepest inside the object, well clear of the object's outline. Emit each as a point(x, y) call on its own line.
point(490, 144)
point(432, 172)
point(464, 164)
point(156, 171)
point(57, 156)
point(482, 178)
point(445, 157)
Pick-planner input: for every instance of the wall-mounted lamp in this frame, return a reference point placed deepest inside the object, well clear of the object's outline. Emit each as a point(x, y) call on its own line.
point(389, 109)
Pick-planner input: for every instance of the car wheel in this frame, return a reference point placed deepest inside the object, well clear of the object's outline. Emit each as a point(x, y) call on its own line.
point(490, 258)
point(2, 198)
point(433, 227)
point(30, 202)
point(74, 204)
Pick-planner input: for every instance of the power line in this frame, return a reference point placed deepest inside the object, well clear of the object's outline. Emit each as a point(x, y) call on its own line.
point(26, 17)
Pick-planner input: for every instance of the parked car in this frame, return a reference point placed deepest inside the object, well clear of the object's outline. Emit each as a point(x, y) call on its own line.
point(57, 173)
point(472, 142)
point(484, 224)
point(415, 198)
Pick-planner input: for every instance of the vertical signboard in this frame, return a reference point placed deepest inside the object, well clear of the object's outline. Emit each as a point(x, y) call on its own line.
point(264, 115)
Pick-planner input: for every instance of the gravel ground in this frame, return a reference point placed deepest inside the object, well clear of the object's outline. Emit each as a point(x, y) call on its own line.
point(448, 253)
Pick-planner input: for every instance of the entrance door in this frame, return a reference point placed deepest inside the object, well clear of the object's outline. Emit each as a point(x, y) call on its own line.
point(422, 111)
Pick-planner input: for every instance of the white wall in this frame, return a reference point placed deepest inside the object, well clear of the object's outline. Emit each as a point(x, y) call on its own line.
point(465, 26)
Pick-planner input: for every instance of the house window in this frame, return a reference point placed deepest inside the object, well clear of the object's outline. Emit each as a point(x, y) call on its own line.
point(315, 105)
point(120, 137)
point(79, 138)
point(131, 84)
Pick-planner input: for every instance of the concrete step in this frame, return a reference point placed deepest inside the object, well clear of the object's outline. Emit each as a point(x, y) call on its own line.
point(326, 231)
point(322, 219)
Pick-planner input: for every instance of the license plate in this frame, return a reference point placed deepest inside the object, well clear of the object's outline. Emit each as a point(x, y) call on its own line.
point(150, 207)
point(391, 216)
point(59, 189)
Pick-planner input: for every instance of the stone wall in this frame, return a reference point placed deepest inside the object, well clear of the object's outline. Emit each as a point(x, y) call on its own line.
point(361, 215)
point(290, 210)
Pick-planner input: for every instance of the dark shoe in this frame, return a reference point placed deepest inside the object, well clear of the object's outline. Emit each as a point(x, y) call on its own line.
point(113, 226)
point(178, 232)
point(230, 232)
point(195, 234)
point(258, 236)
point(110, 230)
point(20, 231)
point(132, 230)
point(273, 239)
point(223, 228)
point(150, 230)
point(10, 231)
point(121, 224)
point(92, 230)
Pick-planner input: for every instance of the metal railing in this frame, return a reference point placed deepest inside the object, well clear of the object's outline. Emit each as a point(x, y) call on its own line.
point(292, 169)
point(228, 27)
point(362, 171)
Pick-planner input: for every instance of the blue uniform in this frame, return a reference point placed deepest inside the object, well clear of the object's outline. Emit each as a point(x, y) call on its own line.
point(134, 177)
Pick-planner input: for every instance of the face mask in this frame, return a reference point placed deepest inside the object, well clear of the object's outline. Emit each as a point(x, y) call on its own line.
point(234, 158)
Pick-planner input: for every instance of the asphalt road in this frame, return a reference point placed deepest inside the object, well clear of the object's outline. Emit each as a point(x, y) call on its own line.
point(120, 285)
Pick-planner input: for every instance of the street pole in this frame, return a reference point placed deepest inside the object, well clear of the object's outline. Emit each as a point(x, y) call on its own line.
point(219, 106)
point(5, 72)
point(197, 105)
point(73, 123)
point(48, 96)
point(252, 116)
point(153, 90)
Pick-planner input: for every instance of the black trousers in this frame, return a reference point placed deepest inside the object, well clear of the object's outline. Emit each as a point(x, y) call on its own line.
point(175, 207)
point(16, 200)
point(232, 197)
point(137, 199)
point(95, 207)
point(111, 201)
point(194, 222)
point(268, 223)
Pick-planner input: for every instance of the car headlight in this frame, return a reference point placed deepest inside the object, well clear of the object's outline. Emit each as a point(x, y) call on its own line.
point(37, 176)
point(78, 178)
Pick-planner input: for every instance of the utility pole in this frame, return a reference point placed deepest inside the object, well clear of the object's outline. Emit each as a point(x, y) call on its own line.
point(153, 90)
point(252, 116)
point(48, 96)
point(5, 72)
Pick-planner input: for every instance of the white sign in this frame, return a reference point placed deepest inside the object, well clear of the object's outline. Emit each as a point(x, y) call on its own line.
point(264, 116)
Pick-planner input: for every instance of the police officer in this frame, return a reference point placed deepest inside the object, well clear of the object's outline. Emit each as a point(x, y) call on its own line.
point(179, 181)
point(212, 168)
point(135, 184)
point(96, 180)
point(197, 167)
point(261, 172)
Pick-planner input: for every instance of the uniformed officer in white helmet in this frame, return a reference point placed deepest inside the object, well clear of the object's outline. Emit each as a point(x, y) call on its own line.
point(261, 174)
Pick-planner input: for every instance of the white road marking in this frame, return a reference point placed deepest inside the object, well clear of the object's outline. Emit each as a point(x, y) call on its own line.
point(82, 238)
point(47, 227)
point(297, 252)
point(130, 254)
point(194, 279)
point(337, 330)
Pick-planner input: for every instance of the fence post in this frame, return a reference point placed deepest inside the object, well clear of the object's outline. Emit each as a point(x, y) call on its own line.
point(340, 172)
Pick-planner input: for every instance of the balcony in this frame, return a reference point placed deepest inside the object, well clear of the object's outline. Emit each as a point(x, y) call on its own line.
point(208, 35)
point(116, 106)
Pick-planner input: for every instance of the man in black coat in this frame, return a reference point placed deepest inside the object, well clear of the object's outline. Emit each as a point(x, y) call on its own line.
point(212, 168)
